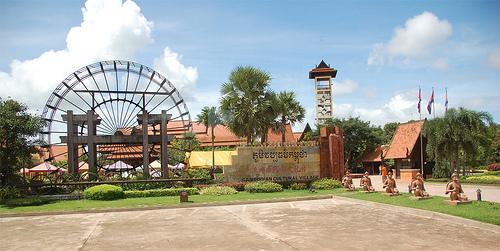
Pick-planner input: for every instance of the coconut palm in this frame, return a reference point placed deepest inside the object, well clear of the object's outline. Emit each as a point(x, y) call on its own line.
point(246, 102)
point(287, 111)
point(460, 131)
point(210, 117)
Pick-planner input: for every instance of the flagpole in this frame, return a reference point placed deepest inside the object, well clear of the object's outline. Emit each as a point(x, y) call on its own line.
point(421, 145)
point(433, 102)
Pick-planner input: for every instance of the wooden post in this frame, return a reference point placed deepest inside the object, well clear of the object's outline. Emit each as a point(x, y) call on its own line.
point(91, 133)
point(164, 143)
point(145, 143)
point(72, 152)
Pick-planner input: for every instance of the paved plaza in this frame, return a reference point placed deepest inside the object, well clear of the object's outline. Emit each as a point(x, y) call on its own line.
point(328, 224)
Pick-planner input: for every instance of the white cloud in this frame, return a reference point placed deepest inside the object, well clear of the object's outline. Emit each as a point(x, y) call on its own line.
point(182, 77)
point(494, 58)
point(418, 39)
point(344, 87)
point(441, 64)
point(110, 29)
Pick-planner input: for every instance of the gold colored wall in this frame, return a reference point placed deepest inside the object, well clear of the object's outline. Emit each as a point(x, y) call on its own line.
point(276, 163)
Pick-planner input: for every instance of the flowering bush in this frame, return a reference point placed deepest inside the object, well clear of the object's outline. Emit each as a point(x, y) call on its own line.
point(326, 184)
point(494, 167)
point(218, 190)
point(263, 187)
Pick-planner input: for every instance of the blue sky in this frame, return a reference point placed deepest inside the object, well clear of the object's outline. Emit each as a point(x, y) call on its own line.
point(383, 50)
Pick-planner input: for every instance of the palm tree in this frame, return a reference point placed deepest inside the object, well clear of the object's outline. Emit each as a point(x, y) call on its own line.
point(287, 111)
point(460, 131)
point(246, 102)
point(210, 117)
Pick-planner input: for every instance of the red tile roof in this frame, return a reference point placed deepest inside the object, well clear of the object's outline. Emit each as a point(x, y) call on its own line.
point(275, 137)
point(404, 140)
point(374, 156)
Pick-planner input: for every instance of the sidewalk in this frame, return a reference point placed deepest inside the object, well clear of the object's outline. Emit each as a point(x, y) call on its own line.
point(488, 193)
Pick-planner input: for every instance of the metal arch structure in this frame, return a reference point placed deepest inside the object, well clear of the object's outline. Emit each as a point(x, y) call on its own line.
point(110, 100)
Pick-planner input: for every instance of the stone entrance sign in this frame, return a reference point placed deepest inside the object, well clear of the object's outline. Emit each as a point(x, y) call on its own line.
point(275, 163)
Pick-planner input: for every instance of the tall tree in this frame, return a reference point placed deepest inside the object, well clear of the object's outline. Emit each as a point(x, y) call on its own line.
point(287, 111)
point(17, 127)
point(210, 117)
point(182, 145)
point(246, 102)
point(389, 130)
point(460, 132)
point(359, 137)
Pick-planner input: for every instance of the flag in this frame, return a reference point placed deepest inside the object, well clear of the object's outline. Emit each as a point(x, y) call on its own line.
point(431, 101)
point(446, 102)
point(419, 99)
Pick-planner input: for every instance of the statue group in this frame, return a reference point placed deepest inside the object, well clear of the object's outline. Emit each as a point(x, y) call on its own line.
point(454, 188)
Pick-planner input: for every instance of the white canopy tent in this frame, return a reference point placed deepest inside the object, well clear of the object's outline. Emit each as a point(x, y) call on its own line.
point(118, 166)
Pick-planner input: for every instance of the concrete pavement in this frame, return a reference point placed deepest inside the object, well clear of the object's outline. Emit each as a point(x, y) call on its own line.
point(330, 224)
point(488, 193)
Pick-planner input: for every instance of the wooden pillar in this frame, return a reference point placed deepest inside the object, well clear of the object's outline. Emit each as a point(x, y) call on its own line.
point(91, 133)
point(72, 147)
point(164, 143)
point(145, 143)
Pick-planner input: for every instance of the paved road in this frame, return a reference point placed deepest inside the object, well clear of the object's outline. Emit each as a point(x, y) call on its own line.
point(331, 224)
point(488, 193)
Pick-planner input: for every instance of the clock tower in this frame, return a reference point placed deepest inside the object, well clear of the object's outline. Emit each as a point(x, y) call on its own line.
point(323, 76)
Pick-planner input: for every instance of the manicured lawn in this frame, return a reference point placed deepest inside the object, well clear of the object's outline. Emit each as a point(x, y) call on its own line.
point(79, 205)
point(488, 212)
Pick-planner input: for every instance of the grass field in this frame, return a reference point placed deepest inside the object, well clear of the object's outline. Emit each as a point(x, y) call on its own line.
point(484, 211)
point(488, 212)
point(80, 205)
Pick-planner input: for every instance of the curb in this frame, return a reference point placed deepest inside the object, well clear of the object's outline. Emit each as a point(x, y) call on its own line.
point(185, 205)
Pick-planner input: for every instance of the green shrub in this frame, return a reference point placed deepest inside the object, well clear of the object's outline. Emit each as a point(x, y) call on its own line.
point(160, 192)
point(103, 192)
point(263, 187)
point(199, 173)
point(24, 202)
point(437, 179)
point(298, 186)
point(9, 192)
point(490, 179)
point(493, 173)
point(218, 190)
point(441, 169)
point(326, 184)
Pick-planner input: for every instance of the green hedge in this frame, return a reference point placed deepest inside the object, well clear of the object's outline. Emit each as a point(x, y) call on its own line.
point(298, 186)
point(24, 202)
point(103, 192)
point(160, 192)
point(494, 173)
point(263, 187)
point(9, 192)
point(326, 184)
point(218, 190)
point(487, 179)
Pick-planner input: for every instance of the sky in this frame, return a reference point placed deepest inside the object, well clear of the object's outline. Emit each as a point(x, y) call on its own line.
point(383, 50)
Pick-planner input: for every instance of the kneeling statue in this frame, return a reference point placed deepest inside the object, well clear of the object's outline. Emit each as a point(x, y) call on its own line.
point(455, 189)
point(347, 182)
point(417, 187)
point(366, 183)
point(390, 185)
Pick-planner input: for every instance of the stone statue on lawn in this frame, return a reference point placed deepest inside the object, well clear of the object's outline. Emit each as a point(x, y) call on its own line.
point(390, 185)
point(454, 188)
point(366, 183)
point(347, 182)
point(417, 187)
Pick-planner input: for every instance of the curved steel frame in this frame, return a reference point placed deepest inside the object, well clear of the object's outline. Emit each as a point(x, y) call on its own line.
point(90, 88)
